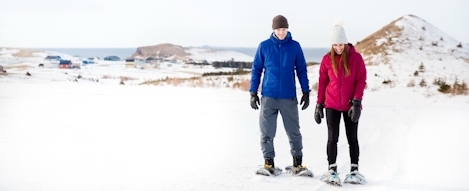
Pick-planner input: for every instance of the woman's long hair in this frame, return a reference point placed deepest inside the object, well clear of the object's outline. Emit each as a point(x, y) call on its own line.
point(343, 60)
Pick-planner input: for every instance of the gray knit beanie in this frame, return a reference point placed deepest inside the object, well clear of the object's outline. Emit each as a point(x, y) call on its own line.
point(279, 21)
point(338, 33)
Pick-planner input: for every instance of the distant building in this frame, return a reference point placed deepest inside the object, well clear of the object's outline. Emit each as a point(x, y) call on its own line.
point(65, 64)
point(112, 58)
point(130, 63)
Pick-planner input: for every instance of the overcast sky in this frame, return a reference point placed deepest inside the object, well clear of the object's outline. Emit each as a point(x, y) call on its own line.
point(234, 23)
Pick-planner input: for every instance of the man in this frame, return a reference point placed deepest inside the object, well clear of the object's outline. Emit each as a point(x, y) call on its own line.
point(278, 59)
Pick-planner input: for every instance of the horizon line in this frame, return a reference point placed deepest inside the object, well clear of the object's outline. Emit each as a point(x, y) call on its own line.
point(138, 47)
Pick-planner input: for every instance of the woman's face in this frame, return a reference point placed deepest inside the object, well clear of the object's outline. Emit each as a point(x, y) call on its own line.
point(338, 48)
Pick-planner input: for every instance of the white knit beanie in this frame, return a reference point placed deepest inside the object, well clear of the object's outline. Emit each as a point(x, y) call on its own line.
point(338, 33)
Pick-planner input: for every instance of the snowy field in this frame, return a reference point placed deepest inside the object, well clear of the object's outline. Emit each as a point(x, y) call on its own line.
point(91, 136)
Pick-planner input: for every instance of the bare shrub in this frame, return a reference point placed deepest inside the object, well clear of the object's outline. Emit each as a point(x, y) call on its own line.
point(438, 81)
point(125, 78)
point(411, 83)
point(423, 83)
point(444, 88)
point(456, 89)
point(198, 82)
point(175, 81)
point(387, 81)
point(459, 88)
point(421, 67)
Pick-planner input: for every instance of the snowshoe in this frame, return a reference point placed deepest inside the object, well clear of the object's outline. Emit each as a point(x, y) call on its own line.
point(269, 170)
point(331, 177)
point(355, 178)
point(299, 171)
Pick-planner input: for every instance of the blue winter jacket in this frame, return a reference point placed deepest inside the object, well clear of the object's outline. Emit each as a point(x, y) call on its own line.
point(278, 60)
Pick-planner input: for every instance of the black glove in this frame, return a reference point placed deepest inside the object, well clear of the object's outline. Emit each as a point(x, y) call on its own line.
point(254, 100)
point(305, 100)
point(319, 113)
point(355, 111)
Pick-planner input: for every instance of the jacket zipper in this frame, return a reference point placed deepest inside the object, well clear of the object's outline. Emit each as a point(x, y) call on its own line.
point(280, 69)
point(339, 75)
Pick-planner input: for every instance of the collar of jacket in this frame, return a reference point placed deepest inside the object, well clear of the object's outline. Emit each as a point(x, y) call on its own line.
point(275, 40)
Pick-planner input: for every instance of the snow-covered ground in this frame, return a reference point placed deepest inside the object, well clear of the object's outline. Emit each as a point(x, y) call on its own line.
point(91, 136)
point(58, 133)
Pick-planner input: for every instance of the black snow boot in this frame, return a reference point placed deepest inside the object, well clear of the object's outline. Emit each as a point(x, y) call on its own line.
point(269, 162)
point(297, 161)
point(298, 169)
point(269, 168)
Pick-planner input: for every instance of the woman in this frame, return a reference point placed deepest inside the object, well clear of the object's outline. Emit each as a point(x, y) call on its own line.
point(342, 80)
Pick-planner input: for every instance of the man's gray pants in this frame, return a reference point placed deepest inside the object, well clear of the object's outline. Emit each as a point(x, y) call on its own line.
point(288, 108)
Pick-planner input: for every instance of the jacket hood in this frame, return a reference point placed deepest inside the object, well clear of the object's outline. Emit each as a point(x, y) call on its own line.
point(351, 48)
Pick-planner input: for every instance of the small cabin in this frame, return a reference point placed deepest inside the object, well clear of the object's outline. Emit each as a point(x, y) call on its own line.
point(130, 63)
point(65, 64)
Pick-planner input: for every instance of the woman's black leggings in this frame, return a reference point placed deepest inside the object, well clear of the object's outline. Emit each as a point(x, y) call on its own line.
point(333, 124)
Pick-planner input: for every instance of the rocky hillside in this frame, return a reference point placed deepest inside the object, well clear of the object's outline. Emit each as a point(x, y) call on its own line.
point(413, 38)
point(161, 51)
point(171, 51)
point(410, 52)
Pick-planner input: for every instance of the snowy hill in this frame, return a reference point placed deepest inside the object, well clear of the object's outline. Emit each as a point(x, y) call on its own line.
point(411, 50)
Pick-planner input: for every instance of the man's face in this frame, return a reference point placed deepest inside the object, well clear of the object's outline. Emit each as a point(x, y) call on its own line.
point(281, 33)
point(338, 48)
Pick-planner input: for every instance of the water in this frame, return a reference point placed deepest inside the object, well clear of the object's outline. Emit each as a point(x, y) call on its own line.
point(311, 54)
point(122, 53)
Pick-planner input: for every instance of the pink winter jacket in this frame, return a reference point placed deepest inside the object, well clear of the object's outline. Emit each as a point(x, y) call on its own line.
point(336, 91)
